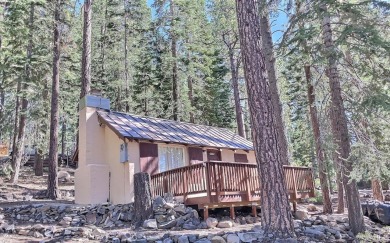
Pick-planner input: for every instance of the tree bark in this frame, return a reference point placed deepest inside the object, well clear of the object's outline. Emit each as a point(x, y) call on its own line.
point(339, 182)
point(142, 198)
point(38, 163)
point(191, 98)
point(266, 35)
point(127, 93)
point(86, 55)
point(175, 95)
point(276, 215)
point(322, 172)
point(340, 130)
point(52, 181)
point(377, 191)
point(19, 148)
point(237, 102)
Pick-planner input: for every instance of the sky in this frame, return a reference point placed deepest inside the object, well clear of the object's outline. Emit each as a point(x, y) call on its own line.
point(278, 23)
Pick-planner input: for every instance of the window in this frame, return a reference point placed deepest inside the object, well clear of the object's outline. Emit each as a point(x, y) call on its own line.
point(170, 157)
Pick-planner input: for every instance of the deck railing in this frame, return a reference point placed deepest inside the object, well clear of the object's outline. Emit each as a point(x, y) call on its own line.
point(216, 179)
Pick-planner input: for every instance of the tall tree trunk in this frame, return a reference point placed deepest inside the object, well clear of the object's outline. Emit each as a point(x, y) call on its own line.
point(377, 191)
point(237, 102)
point(191, 98)
point(340, 130)
point(19, 148)
point(86, 55)
point(266, 37)
point(339, 182)
point(63, 136)
point(127, 93)
point(16, 124)
point(38, 163)
point(322, 172)
point(52, 181)
point(175, 94)
point(276, 215)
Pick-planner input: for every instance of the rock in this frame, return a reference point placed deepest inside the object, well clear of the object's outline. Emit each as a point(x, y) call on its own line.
point(211, 222)
point(183, 239)
point(67, 232)
point(98, 232)
point(297, 223)
point(232, 238)
point(311, 208)
point(37, 234)
point(189, 226)
point(217, 239)
point(203, 240)
point(116, 240)
point(91, 218)
point(225, 224)
point(248, 237)
point(194, 214)
point(387, 197)
point(169, 205)
point(150, 224)
point(64, 176)
point(167, 225)
point(301, 215)
point(315, 233)
point(288, 240)
point(192, 238)
point(181, 209)
point(307, 223)
point(160, 218)
point(158, 202)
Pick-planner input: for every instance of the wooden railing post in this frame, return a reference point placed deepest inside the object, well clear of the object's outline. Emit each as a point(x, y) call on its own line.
point(208, 185)
point(294, 184)
point(184, 174)
point(216, 181)
point(165, 183)
point(248, 189)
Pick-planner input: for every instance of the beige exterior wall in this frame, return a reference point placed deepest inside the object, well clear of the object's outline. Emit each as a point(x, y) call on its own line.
point(100, 176)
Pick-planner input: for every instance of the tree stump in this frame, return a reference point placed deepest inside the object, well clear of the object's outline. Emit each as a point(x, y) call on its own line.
point(38, 164)
point(142, 198)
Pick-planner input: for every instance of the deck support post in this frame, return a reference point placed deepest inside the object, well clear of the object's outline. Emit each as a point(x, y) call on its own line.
point(254, 211)
point(232, 213)
point(294, 203)
point(205, 212)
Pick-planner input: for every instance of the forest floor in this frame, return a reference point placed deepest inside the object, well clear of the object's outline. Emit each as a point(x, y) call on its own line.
point(31, 190)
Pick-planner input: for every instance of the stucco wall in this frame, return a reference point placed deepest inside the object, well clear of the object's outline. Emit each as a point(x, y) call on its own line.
point(91, 177)
point(121, 190)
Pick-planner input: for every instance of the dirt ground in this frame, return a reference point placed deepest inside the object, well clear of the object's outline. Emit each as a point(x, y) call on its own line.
point(31, 190)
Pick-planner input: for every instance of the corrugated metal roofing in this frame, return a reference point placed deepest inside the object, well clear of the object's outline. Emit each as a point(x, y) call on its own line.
point(162, 130)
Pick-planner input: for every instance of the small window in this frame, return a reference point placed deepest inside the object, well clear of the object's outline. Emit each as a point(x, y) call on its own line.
point(170, 158)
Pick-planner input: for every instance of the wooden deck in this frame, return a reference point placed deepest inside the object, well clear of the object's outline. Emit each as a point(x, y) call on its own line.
point(226, 184)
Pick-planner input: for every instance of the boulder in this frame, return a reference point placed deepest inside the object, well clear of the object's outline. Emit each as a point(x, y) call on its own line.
point(217, 239)
point(315, 233)
point(311, 208)
point(232, 238)
point(64, 176)
point(150, 224)
point(211, 222)
point(249, 236)
point(183, 239)
point(387, 197)
point(167, 225)
point(301, 215)
point(225, 224)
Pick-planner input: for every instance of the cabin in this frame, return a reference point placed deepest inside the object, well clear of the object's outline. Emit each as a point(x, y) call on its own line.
point(200, 165)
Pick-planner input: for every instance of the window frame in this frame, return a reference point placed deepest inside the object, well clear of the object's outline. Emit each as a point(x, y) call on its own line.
point(185, 155)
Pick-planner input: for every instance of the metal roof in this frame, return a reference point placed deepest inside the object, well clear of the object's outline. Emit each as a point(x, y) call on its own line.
point(168, 131)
